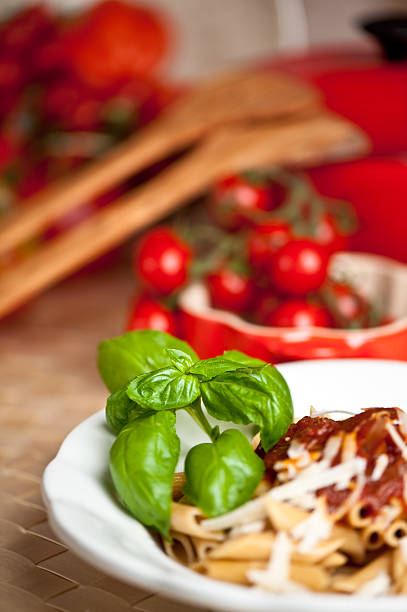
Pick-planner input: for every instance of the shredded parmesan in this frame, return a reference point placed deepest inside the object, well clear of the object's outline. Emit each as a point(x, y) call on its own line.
point(397, 439)
point(276, 577)
point(349, 447)
point(317, 476)
point(403, 421)
point(250, 512)
point(332, 447)
point(380, 585)
point(312, 530)
point(387, 515)
point(381, 464)
point(312, 478)
point(296, 449)
point(254, 527)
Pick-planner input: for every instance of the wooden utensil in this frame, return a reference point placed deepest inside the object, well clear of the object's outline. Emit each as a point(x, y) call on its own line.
point(306, 141)
point(227, 98)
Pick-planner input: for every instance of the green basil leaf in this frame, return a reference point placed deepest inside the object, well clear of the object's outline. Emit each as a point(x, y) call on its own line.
point(256, 396)
point(242, 358)
point(123, 358)
point(142, 463)
point(281, 396)
point(209, 368)
point(281, 405)
point(182, 361)
point(222, 475)
point(164, 389)
point(120, 408)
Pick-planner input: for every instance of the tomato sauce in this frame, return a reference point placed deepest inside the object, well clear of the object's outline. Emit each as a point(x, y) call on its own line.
point(370, 437)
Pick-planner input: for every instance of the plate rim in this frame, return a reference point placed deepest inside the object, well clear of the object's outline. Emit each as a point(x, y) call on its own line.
point(172, 584)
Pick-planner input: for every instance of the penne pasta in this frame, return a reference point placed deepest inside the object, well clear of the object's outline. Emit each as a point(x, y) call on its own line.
point(360, 515)
point(354, 582)
point(253, 546)
point(178, 483)
point(319, 552)
point(398, 564)
point(313, 577)
point(180, 549)
point(395, 532)
point(372, 536)
point(230, 571)
point(352, 543)
point(283, 516)
point(334, 560)
point(293, 536)
point(186, 519)
point(202, 547)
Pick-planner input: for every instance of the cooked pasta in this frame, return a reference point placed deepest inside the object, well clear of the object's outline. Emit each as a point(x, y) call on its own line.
point(331, 514)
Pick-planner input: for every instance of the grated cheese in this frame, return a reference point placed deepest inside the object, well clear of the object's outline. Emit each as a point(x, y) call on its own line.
point(254, 527)
point(317, 476)
point(380, 585)
point(312, 530)
point(309, 480)
point(332, 447)
point(387, 515)
point(397, 439)
point(276, 577)
point(403, 421)
point(349, 447)
point(381, 464)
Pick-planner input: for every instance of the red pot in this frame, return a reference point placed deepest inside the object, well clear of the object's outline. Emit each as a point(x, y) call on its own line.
point(211, 331)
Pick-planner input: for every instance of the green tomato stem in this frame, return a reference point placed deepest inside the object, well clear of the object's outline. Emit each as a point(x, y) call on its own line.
point(196, 412)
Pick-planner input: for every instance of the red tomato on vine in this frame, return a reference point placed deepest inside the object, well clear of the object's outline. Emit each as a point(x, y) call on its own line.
point(162, 260)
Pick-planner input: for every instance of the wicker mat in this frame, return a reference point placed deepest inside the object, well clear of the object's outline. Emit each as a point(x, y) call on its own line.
point(48, 384)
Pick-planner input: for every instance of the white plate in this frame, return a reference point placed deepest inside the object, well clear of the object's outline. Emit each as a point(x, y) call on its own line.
point(86, 515)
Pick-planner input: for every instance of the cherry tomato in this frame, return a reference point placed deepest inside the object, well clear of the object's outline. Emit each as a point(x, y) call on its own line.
point(25, 30)
point(300, 266)
point(265, 305)
point(147, 313)
point(51, 57)
point(235, 199)
point(230, 290)
point(265, 240)
point(327, 233)
point(348, 308)
point(299, 313)
point(117, 40)
point(162, 260)
point(11, 74)
point(8, 151)
point(71, 105)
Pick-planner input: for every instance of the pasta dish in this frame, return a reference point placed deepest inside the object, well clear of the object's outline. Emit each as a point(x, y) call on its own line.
point(330, 513)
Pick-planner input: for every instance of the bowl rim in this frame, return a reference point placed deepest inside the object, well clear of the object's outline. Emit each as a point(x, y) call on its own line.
point(201, 308)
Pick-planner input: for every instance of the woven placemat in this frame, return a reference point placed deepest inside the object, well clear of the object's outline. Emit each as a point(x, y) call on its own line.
point(49, 384)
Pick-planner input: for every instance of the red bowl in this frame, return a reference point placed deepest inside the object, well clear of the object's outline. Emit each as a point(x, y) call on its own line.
point(211, 331)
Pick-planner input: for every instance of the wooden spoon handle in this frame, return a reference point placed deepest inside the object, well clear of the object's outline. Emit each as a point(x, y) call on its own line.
point(309, 141)
point(96, 178)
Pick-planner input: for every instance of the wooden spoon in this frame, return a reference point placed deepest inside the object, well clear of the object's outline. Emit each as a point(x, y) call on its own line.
point(227, 98)
point(311, 140)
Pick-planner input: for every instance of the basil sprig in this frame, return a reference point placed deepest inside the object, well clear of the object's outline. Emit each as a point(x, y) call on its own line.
point(123, 358)
point(222, 475)
point(152, 375)
point(142, 464)
point(164, 389)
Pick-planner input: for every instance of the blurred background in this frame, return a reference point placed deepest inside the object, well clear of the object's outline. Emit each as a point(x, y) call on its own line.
point(316, 240)
point(214, 35)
